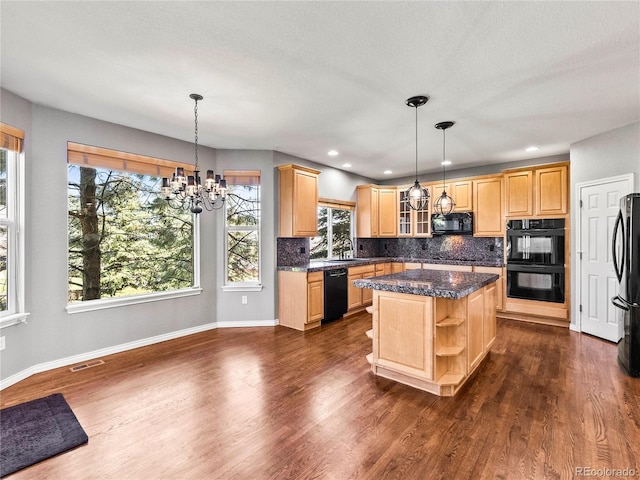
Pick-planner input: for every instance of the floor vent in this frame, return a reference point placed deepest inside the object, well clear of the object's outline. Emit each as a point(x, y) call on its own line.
point(84, 366)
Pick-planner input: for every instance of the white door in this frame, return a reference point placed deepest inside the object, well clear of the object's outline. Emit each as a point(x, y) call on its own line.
point(600, 203)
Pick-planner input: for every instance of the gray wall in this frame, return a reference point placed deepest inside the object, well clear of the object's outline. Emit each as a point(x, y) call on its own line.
point(608, 154)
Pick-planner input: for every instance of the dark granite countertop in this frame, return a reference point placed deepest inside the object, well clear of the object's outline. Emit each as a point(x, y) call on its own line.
point(429, 283)
point(315, 266)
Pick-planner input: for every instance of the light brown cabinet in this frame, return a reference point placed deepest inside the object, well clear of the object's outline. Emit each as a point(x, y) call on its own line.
point(518, 188)
point(537, 191)
point(359, 297)
point(551, 190)
point(460, 190)
point(383, 269)
point(298, 198)
point(499, 283)
point(397, 267)
point(300, 299)
point(376, 211)
point(387, 212)
point(367, 211)
point(488, 209)
point(315, 296)
point(413, 223)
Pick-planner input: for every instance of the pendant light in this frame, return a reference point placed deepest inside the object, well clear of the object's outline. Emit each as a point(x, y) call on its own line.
point(444, 204)
point(417, 195)
point(187, 191)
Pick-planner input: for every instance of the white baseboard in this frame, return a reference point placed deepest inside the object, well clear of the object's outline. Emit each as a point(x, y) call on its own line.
point(83, 357)
point(251, 323)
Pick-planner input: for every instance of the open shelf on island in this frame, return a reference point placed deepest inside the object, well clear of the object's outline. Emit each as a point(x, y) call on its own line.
point(449, 350)
point(450, 379)
point(450, 322)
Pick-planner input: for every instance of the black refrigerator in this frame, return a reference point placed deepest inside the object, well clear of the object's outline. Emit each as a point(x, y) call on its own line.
point(626, 262)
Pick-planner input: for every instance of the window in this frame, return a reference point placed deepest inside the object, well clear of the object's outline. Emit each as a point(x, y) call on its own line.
point(334, 230)
point(242, 230)
point(11, 226)
point(124, 239)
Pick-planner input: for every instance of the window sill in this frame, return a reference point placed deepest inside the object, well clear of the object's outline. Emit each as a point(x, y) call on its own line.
point(13, 319)
point(92, 305)
point(243, 287)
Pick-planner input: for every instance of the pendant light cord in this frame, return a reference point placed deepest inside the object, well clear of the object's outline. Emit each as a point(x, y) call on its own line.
point(416, 143)
point(195, 111)
point(444, 167)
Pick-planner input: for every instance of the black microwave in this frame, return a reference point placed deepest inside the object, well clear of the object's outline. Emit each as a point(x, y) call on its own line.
point(452, 224)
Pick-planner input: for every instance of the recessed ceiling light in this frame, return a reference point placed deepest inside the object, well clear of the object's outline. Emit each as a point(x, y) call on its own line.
point(332, 153)
point(387, 172)
point(446, 162)
point(346, 165)
point(531, 149)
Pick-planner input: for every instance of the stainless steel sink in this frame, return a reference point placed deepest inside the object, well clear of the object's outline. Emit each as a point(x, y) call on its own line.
point(345, 260)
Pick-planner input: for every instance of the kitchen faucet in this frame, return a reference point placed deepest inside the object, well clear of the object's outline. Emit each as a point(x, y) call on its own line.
point(351, 247)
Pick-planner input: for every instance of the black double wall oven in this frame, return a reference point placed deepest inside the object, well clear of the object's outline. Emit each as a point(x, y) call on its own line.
point(535, 259)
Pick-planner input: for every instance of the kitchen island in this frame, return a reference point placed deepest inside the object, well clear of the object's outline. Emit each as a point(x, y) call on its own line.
point(431, 328)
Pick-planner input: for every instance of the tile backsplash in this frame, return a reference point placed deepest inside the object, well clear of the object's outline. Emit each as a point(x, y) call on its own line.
point(292, 252)
point(295, 251)
point(443, 247)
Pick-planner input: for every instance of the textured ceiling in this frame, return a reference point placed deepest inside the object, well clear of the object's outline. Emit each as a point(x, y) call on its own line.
point(306, 77)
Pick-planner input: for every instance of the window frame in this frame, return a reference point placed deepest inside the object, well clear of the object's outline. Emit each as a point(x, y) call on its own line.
point(12, 141)
point(331, 205)
point(232, 177)
point(97, 155)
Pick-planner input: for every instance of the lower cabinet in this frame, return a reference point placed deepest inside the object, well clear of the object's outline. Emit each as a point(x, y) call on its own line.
point(383, 269)
point(397, 267)
point(499, 283)
point(300, 299)
point(358, 298)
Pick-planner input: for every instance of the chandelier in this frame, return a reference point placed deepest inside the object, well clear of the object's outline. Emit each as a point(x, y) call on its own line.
point(418, 196)
point(444, 204)
point(187, 191)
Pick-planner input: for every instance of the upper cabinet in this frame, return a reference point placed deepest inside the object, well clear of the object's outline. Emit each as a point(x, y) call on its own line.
point(551, 190)
point(460, 190)
point(387, 212)
point(488, 210)
point(367, 211)
point(298, 192)
point(518, 191)
point(376, 211)
point(413, 223)
point(536, 191)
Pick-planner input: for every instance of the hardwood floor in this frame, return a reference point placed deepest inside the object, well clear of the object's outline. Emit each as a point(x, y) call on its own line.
point(274, 403)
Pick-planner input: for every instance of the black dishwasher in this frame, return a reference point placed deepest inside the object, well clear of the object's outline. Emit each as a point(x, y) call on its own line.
point(335, 294)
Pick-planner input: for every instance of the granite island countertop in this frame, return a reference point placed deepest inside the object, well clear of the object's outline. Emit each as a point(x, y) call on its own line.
point(316, 266)
point(429, 283)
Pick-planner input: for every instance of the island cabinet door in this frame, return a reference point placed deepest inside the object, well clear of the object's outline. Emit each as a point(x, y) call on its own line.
point(475, 337)
point(489, 328)
point(403, 333)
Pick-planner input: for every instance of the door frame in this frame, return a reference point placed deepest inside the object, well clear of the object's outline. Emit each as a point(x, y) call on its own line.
point(576, 324)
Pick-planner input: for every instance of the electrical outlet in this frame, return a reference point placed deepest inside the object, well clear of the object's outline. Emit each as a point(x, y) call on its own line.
point(244, 299)
point(1, 343)
point(303, 250)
